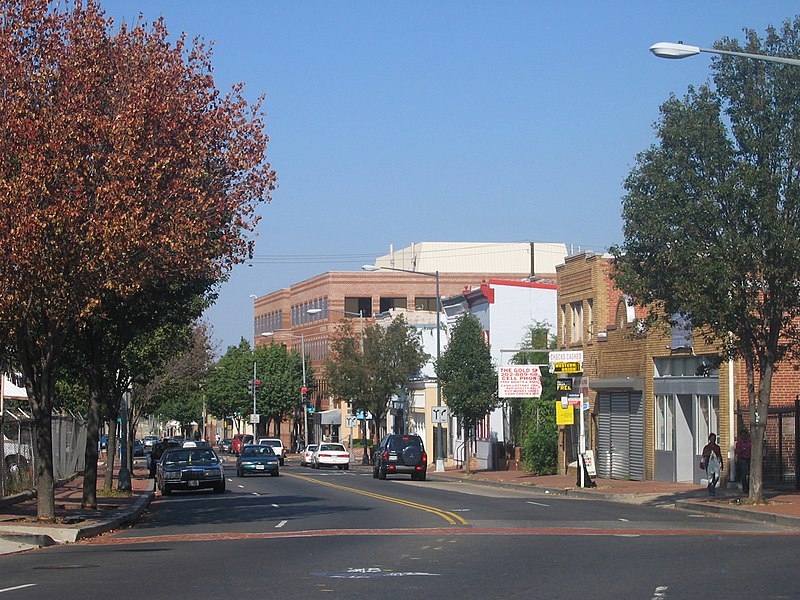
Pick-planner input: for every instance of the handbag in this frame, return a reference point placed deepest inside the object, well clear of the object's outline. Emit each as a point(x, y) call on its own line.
point(702, 465)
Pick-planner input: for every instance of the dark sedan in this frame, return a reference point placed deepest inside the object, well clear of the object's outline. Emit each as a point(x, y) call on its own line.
point(257, 460)
point(189, 469)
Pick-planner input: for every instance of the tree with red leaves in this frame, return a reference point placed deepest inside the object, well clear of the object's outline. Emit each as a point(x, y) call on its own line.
point(121, 166)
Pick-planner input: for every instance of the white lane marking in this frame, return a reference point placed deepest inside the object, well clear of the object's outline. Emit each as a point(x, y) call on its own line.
point(275, 506)
point(537, 503)
point(661, 592)
point(17, 587)
point(623, 520)
point(240, 486)
point(255, 493)
point(281, 524)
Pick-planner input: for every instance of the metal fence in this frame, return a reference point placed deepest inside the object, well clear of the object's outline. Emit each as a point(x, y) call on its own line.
point(17, 469)
point(780, 442)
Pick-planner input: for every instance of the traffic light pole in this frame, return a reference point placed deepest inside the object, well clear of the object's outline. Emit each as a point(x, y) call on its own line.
point(254, 401)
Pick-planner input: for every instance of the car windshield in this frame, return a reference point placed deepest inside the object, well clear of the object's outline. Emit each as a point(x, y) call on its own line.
point(257, 451)
point(190, 456)
point(337, 447)
point(273, 443)
point(311, 448)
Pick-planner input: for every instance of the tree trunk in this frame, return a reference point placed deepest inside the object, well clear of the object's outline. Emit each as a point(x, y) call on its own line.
point(43, 445)
point(759, 431)
point(467, 449)
point(111, 453)
point(89, 499)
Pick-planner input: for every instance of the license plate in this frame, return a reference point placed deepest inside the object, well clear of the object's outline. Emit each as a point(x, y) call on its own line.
point(392, 458)
point(194, 483)
point(260, 467)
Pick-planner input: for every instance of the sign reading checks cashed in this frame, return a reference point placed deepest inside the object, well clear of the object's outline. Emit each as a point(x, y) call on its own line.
point(519, 381)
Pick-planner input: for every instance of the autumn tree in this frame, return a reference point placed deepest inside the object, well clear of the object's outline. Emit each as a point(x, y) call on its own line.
point(712, 216)
point(121, 164)
point(468, 377)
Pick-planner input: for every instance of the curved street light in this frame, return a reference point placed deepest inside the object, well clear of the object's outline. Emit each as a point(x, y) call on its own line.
point(673, 51)
point(439, 445)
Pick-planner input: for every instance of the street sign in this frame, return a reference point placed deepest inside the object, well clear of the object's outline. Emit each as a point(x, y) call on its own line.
point(364, 415)
point(255, 419)
point(564, 385)
point(519, 381)
point(351, 421)
point(439, 414)
point(567, 367)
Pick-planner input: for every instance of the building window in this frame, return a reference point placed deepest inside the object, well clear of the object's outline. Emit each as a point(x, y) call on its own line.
point(563, 316)
point(707, 420)
point(576, 331)
point(389, 303)
point(424, 303)
point(590, 309)
point(356, 305)
point(665, 408)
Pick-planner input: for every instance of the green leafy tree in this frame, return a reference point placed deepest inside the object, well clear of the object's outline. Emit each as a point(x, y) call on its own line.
point(533, 419)
point(391, 355)
point(281, 374)
point(468, 377)
point(225, 386)
point(711, 223)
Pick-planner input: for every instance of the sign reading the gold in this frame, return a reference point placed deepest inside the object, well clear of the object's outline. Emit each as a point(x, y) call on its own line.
point(519, 381)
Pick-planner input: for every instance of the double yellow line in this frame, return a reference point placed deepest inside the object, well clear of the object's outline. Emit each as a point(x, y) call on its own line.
point(451, 518)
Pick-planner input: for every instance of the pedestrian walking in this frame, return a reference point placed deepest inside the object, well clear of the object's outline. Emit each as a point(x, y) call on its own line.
point(742, 454)
point(712, 463)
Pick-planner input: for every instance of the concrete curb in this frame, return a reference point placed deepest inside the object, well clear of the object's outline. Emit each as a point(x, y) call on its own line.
point(739, 512)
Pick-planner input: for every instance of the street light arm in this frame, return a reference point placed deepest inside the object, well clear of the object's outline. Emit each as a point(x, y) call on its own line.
point(673, 51)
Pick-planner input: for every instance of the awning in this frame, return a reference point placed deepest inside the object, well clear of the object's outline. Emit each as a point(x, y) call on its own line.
point(618, 383)
point(329, 417)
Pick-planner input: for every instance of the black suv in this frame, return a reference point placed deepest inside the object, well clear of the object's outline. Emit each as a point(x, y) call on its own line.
point(400, 454)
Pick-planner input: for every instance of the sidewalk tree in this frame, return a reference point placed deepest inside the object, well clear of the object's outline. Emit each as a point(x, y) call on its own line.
point(468, 377)
point(392, 355)
point(280, 371)
point(121, 164)
point(225, 385)
point(710, 214)
point(533, 420)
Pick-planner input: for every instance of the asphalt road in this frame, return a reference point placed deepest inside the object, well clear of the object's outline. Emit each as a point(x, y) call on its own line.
point(343, 534)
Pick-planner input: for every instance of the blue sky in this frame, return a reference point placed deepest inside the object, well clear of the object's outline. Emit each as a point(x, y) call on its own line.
point(401, 122)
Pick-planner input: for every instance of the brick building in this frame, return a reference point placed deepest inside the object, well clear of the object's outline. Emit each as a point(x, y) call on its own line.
point(655, 395)
point(330, 297)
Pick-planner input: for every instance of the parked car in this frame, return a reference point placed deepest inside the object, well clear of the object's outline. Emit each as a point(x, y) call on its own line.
point(330, 455)
point(189, 469)
point(225, 445)
point(240, 440)
point(149, 442)
point(17, 456)
point(305, 455)
point(138, 448)
point(400, 454)
point(277, 447)
point(257, 460)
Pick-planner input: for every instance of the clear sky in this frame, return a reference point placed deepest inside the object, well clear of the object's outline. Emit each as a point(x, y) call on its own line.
point(411, 121)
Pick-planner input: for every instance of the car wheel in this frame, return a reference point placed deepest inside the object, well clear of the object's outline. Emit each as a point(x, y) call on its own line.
point(340, 467)
point(346, 467)
point(374, 472)
point(422, 476)
point(220, 489)
point(165, 490)
point(275, 473)
point(281, 461)
point(381, 473)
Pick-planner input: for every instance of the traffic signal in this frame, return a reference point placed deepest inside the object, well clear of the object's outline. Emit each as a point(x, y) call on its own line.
point(304, 392)
point(257, 384)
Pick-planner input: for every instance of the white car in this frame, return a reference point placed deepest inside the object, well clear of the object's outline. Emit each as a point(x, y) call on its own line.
point(330, 455)
point(305, 456)
point(277, 447)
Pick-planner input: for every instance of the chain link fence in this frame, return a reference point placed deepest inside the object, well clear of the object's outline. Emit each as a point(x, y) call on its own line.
point(17, 462)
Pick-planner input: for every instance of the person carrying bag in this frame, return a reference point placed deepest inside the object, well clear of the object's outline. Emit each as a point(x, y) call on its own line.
point(712, 459)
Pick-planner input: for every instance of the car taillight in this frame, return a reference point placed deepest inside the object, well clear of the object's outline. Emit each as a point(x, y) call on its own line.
point(424, 457)
point(385, 455)
point(326, 455)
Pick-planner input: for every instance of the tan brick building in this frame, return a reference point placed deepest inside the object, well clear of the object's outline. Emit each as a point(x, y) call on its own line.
point(655, 395)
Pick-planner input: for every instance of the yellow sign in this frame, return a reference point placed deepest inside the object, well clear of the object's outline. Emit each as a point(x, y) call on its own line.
point(567, 367)
point(564, 416)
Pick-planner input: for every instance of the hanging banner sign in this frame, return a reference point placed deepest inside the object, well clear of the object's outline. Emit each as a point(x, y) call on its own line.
point(519, 381)
point(564, 385)
point(569, 361)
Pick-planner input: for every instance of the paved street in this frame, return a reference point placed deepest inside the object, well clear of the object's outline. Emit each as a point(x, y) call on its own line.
point(343, 534)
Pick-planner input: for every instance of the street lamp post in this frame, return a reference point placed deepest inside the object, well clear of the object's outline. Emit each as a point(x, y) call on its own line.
point(302, 339)
point(670, 50)
point(435, 274)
